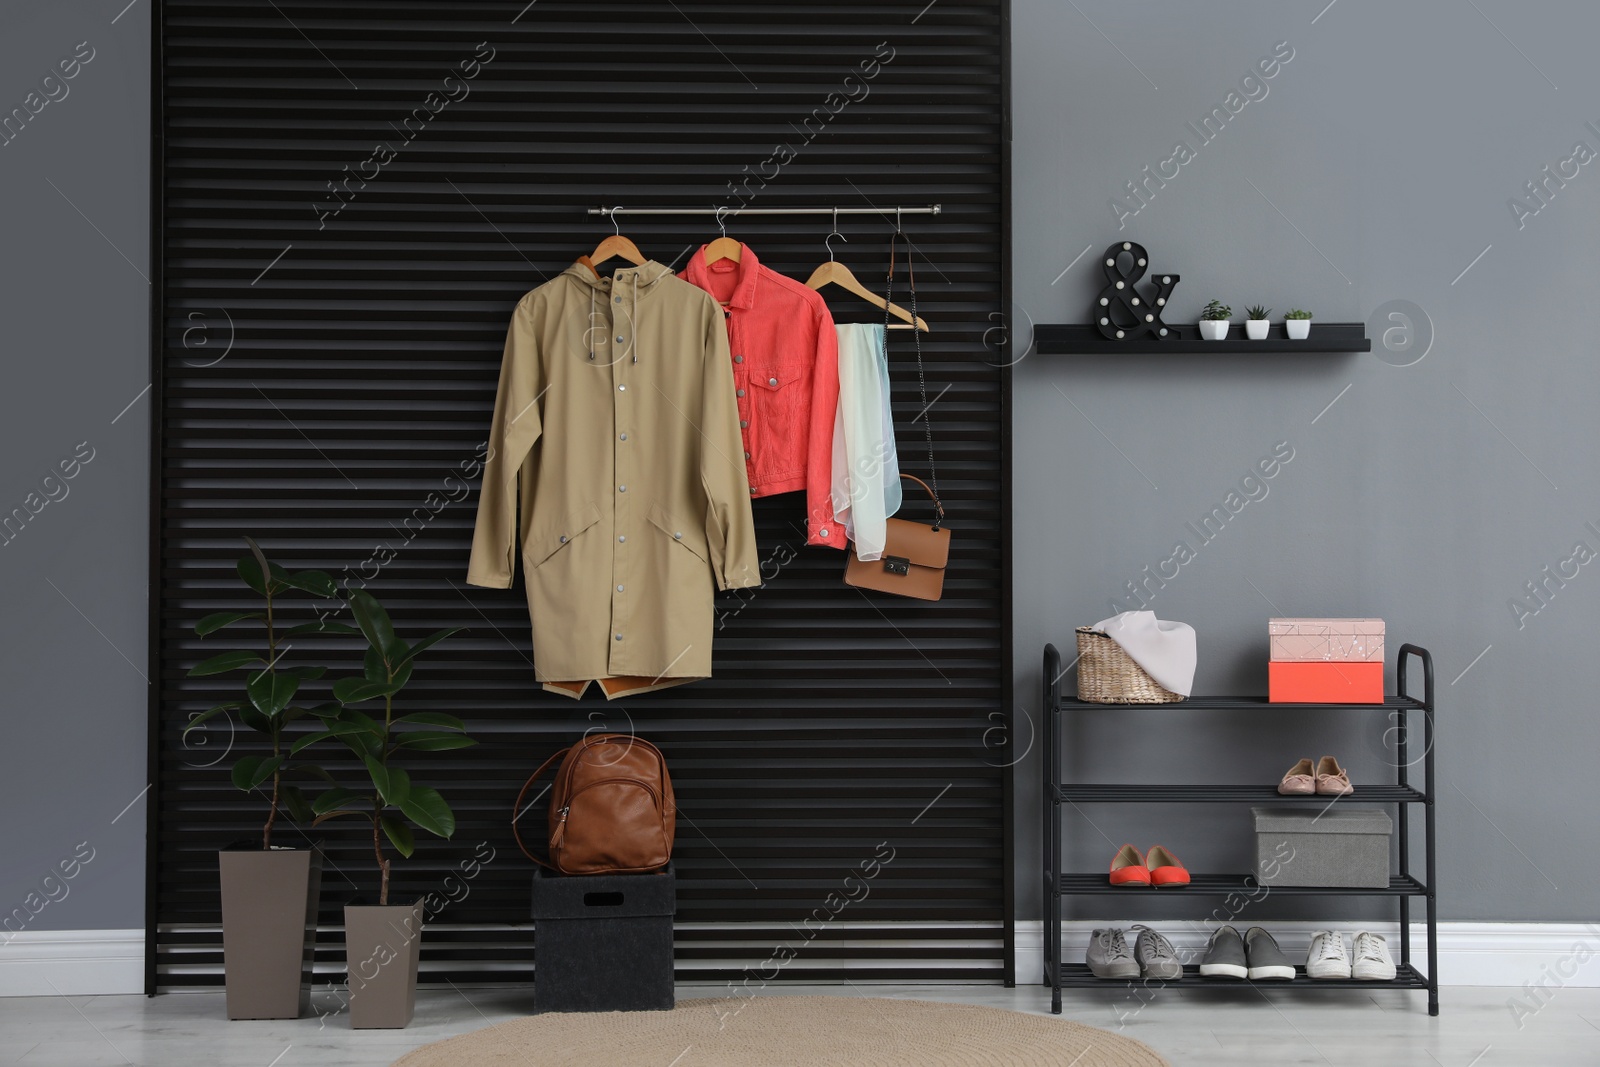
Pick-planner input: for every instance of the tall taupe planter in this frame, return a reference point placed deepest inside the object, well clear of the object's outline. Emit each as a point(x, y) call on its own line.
point(269, 929)
point(382, 946)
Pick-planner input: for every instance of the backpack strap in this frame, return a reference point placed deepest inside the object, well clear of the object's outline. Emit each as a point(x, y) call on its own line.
point(516, 812)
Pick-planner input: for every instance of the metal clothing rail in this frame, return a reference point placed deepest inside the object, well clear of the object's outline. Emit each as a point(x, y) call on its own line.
point(723, 212)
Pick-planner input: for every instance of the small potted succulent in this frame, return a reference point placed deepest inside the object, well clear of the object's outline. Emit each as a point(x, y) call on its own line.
point(1298, 323)
point(1214, 321)
point(383, 940)
point(1256, 323)
point(269, 892)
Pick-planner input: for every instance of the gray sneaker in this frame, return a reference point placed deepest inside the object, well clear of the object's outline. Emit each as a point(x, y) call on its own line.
point(1267, 960)
point(1224, 956)
point(1108, 955)
point(1155, 955)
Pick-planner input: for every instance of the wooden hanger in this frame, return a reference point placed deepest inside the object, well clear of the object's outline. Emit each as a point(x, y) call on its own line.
point(615, 245)
point(723, 247)
point(835, 273)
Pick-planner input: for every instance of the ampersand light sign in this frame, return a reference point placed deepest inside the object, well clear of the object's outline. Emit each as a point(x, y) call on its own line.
point(1119, 311)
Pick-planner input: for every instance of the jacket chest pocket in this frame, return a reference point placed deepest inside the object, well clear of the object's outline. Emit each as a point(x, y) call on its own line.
point(552, 539)
point(781, 401)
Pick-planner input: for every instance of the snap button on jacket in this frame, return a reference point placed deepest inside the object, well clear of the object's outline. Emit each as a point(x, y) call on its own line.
point(786, 381)
point(615, 470)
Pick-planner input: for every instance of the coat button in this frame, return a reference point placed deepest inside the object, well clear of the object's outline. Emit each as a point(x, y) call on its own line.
point(622, 489)
point(622, 538)
point(622, 437)
point(770, 381)
point(622, 388)
point(747, 455)
point(738, 359)
point(619, 637)
point(741, 392)
point(563, 538)
point(744, 424)
point(619, 341)
point(619, 588)
point(677, 537)
point(619, 299)
point(824, 533)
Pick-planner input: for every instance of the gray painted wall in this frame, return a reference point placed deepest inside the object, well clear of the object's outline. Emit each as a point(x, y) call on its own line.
point(1377, 167)
point(72, 577)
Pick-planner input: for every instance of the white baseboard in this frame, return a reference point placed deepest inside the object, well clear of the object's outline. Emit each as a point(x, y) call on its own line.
point(48, 963)
point(1470, 953)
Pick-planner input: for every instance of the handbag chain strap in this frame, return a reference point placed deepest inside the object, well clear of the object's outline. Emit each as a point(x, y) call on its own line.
point(922, 379)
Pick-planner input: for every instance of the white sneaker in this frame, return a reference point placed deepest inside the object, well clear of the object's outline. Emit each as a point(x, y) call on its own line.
point(1327, 958)
point(1372, 958)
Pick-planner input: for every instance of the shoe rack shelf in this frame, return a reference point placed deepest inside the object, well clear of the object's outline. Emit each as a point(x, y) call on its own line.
point(1404, 886)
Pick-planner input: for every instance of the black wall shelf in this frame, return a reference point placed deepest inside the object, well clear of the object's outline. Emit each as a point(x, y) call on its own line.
point(1325, 338)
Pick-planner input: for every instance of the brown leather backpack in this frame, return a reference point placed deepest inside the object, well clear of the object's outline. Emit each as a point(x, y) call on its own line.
point(611, 808)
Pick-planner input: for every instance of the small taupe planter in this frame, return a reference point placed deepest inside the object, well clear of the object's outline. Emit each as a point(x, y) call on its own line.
point(381, 947)
point(269, 929)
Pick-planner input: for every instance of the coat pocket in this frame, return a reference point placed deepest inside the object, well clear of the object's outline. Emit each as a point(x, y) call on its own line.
point(691, 537)
point(552, 538)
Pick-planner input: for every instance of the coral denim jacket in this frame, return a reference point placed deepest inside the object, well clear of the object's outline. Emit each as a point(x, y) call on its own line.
point(785, 355)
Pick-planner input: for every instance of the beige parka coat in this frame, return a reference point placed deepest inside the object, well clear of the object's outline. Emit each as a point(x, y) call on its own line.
point(616, 425)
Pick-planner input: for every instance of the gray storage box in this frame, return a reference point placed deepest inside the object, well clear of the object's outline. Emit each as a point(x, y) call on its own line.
point(1339, 846)
point(603, 942)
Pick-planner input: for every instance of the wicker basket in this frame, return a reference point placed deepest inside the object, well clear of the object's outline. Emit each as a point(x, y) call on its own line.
point(1108, 675)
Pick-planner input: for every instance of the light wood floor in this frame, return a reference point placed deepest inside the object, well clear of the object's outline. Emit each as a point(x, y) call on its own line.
point(1225, 1028)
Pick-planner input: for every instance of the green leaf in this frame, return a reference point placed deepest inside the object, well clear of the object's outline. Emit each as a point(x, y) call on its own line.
point(256, 721)
point(303, 743)
point(432, 718)
point(208, 713)
point(432, 742)
point(428, 642)
point(311, 770)
point(380, 776)
point(376, 667)
point(260, 558)
point(399, 835)
point(333, 798)
point(359, 690)
point(374, 623)
point(251, 771)
point(216, 621)
point(399, 786)
point(341, 629)
point(224, 662)
point(290, 714)
point(320, 819)
point(305, 674)
point(251, 571)
point(271, 691)
point(427, 809)
point(294, 802)
point(317, 583)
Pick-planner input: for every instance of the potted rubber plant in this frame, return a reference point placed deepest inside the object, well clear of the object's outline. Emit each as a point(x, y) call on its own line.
point(269, 891)
point(1298, 323)
point(1214, 321)
point(1256, 323)
point(383, 940)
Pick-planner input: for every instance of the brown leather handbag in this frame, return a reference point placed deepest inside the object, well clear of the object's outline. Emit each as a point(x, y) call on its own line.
point(914, 557)
point(914, 554)
point(611, 808)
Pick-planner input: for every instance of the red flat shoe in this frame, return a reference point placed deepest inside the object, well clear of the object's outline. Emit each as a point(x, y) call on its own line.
point(1127, 868)
point(1165, 870)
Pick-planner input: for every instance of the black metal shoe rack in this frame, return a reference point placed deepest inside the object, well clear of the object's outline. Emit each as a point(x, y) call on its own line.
point(1403, 886)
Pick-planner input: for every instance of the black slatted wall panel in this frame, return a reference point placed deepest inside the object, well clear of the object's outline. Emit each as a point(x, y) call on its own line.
point(325, 368)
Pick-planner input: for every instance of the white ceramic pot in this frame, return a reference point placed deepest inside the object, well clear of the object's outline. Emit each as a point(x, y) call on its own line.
point(1299, 329)
point(1213, 330)
point(1256, 329)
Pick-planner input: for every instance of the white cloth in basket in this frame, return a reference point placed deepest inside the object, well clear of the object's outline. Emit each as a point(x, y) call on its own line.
point(1166, 650)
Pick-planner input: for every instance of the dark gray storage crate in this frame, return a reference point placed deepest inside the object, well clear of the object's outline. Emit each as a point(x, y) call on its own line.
point(1340, 846)
point(603, 942)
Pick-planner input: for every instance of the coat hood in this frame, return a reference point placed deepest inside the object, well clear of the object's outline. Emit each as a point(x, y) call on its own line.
point(644, 276)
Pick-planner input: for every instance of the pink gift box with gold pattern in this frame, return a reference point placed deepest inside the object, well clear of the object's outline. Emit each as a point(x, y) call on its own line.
point(1326, 640)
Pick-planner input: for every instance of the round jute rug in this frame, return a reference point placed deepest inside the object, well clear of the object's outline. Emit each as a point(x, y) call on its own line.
point(790, 1031)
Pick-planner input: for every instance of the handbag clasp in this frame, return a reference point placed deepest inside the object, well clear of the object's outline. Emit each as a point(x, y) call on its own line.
point(897, 565)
